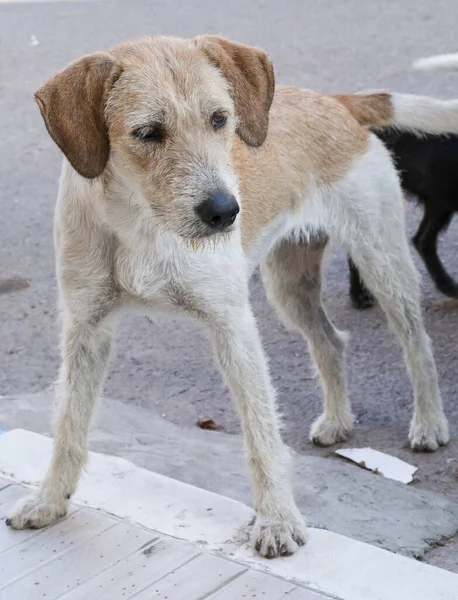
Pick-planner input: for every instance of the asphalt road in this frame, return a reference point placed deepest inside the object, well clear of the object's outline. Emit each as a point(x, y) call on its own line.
point(166, 366)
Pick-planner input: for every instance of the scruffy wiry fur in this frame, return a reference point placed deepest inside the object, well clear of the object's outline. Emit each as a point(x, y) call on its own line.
point(136, 125)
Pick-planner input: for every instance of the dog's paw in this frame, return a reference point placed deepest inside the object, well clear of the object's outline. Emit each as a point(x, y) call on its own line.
point(33, 512)
point(362, 299)
point(425, 437)
point(278, 536)
point(326, 432)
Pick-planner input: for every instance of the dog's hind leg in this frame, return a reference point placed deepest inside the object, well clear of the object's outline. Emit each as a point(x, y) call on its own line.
point(425, 241)
point(373, 232)
point(85, 348)
point(292, 276)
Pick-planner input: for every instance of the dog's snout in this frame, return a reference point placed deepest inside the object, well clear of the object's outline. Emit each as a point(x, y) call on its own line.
point(219, 210)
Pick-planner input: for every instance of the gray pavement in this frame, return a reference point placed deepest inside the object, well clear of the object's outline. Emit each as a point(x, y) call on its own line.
point(165, 367)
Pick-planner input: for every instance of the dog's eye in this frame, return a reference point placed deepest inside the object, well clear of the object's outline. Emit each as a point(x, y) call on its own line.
point(218, 120)
point(152, 133)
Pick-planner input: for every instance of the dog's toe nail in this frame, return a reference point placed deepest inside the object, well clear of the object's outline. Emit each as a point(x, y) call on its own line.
point(299, 541)
point(258, 546)
point(8, 522)
point(284, 549)
point(271, 552)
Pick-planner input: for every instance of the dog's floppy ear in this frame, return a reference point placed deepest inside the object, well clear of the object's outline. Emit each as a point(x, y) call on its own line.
point(251, 75)
point(72, 104)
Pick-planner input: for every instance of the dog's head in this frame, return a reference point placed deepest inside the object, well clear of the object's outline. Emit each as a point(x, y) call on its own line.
point(159, 116)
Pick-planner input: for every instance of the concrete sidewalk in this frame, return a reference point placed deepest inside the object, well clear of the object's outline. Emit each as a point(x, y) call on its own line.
point(333, 494)
point(330, 565)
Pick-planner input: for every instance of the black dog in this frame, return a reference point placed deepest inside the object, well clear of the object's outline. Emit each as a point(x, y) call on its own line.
point(428, 168)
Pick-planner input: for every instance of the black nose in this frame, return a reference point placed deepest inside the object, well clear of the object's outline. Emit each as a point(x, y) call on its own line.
point(219, 210)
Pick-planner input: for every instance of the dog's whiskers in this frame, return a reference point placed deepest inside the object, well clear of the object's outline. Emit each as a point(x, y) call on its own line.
point(206, 243)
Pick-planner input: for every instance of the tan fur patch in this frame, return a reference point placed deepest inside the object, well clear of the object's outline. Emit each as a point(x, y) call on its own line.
point(369, 109)
point(312, 139)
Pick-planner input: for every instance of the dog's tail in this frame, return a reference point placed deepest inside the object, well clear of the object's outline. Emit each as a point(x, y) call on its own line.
point(441, 62)
point(405, 112)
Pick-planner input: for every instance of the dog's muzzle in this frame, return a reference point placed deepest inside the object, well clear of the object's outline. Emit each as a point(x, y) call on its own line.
point(219, 210)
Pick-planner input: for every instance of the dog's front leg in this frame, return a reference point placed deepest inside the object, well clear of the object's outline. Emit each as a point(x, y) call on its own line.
point(85, 354)
point(279, 527)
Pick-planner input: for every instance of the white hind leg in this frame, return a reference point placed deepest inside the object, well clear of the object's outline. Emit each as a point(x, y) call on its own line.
point(369, 221)
point(392, 277)
point(292, 277)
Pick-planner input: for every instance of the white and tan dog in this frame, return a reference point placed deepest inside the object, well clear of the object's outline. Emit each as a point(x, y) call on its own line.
point(166, 140)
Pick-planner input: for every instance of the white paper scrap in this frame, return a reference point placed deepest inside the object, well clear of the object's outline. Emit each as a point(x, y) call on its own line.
point(379, 462)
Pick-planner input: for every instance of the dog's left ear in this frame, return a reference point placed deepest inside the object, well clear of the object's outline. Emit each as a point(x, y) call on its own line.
point(251, 75)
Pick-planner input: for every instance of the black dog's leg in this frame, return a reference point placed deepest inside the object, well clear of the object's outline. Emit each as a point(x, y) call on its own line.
point(361, 297)
point(421, 229)
point(425, 241)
